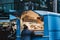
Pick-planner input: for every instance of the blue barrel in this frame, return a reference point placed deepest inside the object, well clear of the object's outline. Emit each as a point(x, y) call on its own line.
point(54, 26)
point(51, 24)
point(40, 38)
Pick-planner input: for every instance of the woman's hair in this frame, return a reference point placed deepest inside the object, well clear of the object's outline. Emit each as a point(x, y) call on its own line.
point(25, 27)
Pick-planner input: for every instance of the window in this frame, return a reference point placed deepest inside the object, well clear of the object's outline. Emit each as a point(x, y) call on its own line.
point(0, 7)
point(4, 1)
point(7, 1)
point(0, 1)
point(8, 7)
point(58, 6)
point(43, 3)
point(12, 6)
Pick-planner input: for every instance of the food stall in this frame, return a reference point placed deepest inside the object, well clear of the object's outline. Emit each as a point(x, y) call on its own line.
point(37, 22)
point(34, 22)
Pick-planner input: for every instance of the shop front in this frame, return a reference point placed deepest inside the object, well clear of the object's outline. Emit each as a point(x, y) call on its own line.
point(36, 23)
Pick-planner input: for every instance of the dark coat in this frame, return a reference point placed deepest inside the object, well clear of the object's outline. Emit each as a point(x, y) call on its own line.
point(26, 34)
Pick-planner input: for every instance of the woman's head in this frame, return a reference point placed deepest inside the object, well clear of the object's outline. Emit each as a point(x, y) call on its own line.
point(25, 27)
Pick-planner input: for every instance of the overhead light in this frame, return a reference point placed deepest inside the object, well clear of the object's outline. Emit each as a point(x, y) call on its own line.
point(21, 0)
point(12, 10)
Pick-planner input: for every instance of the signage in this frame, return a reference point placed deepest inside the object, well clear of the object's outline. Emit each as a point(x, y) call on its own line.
point(4, 16)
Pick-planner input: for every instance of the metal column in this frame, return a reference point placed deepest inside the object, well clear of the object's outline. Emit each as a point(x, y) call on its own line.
point(55, 6)
point(18, 30)
point(46, 31)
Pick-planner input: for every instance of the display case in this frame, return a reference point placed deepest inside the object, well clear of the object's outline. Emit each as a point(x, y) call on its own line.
point(34, 22)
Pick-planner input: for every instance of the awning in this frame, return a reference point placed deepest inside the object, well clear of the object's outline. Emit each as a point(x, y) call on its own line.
point(12, 17)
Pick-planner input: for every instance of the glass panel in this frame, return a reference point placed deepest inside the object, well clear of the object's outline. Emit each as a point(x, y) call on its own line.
point(0, 7)
point(43, 3)
point(12, 6)
point(36, 6)
point(7, 7)
point(58, 5)
point(21, 6)
point(16, 0)
point(7, 1)
point(0, 1)
point(25, 0)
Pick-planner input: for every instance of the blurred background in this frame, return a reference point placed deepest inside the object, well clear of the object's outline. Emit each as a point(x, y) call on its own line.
point(12, 12)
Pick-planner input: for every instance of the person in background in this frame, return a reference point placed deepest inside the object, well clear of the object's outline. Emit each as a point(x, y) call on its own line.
point(26, 34)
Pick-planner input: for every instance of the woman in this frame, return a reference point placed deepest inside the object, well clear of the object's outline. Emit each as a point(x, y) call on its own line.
point(26, 34)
